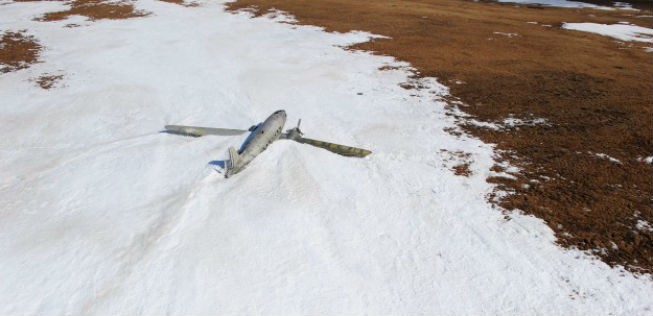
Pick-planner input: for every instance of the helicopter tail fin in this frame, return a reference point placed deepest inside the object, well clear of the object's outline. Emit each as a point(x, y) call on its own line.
point(234, 162)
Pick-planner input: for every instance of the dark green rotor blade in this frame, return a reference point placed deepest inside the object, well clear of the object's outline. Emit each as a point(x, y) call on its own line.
point(335, 148)
point(198, 131)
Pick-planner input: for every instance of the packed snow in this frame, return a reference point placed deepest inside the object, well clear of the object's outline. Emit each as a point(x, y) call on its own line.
point(568, 4)
point(103, 214)
point(622, 32)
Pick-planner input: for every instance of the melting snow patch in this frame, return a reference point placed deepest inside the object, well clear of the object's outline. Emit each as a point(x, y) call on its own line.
point(644, 225)
point(489, 125)
point(623, 5)
point(515, 122)
point(510, 122)
point(508, 167)
point(507, 170)
point(605, 156)
point(648, 159)
point(506, 34)
point(623, 32)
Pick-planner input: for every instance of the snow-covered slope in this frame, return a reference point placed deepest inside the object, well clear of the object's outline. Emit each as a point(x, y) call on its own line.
point(622, 31)
point(573, 4)
point(102, 214)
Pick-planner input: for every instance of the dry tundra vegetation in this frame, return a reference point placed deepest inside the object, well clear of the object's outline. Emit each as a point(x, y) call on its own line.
point(17, 51)
point(584, 100)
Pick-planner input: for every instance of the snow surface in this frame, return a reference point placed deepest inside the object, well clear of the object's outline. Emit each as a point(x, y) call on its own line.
point(622, 32)
point(567, 4)
point(102, 214)
point(574, 4)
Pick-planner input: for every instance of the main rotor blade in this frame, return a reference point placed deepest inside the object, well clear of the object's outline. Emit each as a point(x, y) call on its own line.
point(335, 148)
point(197, 131)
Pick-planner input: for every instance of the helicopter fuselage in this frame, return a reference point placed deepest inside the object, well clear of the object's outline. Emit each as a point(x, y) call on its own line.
point(261, 136)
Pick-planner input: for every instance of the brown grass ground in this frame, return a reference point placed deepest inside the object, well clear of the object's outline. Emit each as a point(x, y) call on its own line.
point(181, 2)
point(92, 9)
point(595, 93)
point(17, 51)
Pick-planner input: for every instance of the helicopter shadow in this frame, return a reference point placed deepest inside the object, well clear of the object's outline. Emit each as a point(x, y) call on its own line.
point(219, 166)
point(218, 163)
point(166, 131)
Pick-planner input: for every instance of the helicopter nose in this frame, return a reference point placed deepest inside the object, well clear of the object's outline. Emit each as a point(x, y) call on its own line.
point(281, 112)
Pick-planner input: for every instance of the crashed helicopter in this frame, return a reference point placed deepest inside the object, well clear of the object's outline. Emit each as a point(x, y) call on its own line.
point(261, 136)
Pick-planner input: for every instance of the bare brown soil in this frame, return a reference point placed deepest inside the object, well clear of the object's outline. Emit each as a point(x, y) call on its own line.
point(181, 2)
point(17, 51)
point(595, 93)
point(48, 81)
point(459, 162)
point(463, 170)
point(94, 10)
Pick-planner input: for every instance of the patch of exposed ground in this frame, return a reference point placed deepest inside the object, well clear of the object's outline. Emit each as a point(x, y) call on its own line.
point(182, 2)
point(593, 92)
point(47, 81)
point(18, 51)
point(458, 162)
point(93, 10)
point(462, 170)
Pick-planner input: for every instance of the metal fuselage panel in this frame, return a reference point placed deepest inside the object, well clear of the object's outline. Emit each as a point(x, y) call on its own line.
point(265, 134)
